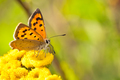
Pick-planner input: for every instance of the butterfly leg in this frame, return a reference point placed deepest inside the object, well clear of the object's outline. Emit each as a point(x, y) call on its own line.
point(51, 49)
point(34, 52)
point(39, 49)
point(38, 53)
point(45, 50)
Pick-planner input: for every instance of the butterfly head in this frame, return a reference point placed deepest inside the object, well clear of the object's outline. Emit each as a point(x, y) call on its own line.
point(47, 41)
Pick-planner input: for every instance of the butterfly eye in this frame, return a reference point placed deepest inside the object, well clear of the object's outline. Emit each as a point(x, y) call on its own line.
point(47, 41)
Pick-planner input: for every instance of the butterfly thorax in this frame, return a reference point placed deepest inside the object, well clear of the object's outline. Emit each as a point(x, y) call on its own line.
point(45, 45)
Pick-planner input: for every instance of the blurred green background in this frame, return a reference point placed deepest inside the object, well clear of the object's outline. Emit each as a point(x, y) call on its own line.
point(89, 51)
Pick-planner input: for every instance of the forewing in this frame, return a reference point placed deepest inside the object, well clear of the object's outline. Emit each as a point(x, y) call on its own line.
point(24, 44)
point(24, 32)
point(36, 22)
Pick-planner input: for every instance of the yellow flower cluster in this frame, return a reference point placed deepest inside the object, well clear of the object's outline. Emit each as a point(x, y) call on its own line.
point(23, 65)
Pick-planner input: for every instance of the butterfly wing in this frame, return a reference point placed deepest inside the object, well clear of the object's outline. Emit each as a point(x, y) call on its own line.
point(36, 22)
point(25, 44)
point(26, 38)
point(24, 32)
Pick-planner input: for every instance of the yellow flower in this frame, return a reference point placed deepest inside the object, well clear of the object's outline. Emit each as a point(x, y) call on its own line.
point(53, 77)
point(23, 65)
point(38, 73)
point(32, 60)
point(18, 73)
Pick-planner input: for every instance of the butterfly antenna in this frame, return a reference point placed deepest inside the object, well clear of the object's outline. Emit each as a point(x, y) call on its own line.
point(58, 35)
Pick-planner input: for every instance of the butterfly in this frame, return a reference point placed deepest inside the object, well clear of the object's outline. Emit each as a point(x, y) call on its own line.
point(32, 37)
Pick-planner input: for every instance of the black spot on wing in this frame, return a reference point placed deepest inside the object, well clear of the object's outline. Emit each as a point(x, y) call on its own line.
point(31, 33)
point(25, 30)
point(22, 35)
point(25, 38)
point(35, 23)
point(40, 25)
point(38, 18)
point(38, 39)
point(41, 29)
point(34, 36)
point(34, 28)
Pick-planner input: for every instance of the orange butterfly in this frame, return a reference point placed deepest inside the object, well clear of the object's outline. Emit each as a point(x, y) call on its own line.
point(32, 37)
